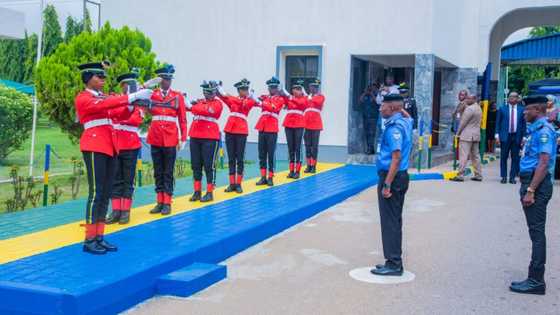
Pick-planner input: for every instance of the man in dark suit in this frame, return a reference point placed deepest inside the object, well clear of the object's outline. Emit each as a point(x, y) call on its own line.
point(510, 129)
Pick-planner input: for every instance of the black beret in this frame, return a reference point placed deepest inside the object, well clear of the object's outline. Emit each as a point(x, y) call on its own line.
point(535, 99)
point(127, 76)
point(392, 98)
point(273, 82)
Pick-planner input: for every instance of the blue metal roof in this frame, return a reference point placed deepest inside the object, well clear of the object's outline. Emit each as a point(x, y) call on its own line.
point(533, 49)
point(27, 89)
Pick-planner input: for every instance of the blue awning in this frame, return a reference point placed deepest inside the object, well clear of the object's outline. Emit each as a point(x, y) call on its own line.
point(27, 89)
point(540, 50)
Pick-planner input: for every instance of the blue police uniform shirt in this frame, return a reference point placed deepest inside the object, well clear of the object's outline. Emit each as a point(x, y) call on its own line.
point(397, 135)
point(541, 138)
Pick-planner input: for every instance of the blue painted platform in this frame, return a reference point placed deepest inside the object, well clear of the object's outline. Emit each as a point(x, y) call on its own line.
point(66, 281)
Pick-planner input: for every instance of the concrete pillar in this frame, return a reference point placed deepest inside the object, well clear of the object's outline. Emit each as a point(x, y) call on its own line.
point(424, 68)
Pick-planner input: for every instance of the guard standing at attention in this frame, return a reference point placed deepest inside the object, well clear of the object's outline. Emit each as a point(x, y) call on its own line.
point(392, 166)
point(98, 144)
point(293, 125)
point(236, 130)
point(128, 142)
point(204, 140)
point(536, 168)
point(313, 125)
point(167, 135)
point(271, 105)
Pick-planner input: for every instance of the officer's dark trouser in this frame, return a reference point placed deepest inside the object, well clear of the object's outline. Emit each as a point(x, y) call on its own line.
point(294, 137)
point(267, 148)
point(536, 221)
point(390, 212)
point(509, 148)
point(235, 145)
point(163, 159)
point(100, 170)
point(311, 139)
point(123, 185)
point(203, 154)
point(370, 127)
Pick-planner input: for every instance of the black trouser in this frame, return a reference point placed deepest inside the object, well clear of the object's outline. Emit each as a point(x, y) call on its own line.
point(390, 212)
point(510, 147)
point(294, 137)
point(536, 221)
point(235, 145)
point(311, 138)
point(370, 128)
point(123, 186)
point(203, 154)
point(163, 159)
point(100, 170)
point(267, 149)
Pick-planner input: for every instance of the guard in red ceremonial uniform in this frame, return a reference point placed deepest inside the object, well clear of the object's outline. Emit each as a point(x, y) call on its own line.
point(271, 105)
point(167, 135)
point(236, 131)
point(294, 124)
point(204, 136)
point(313, 125)
point(128, 142)
point(98, 144)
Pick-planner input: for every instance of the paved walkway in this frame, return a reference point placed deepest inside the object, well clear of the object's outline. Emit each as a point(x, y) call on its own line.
point(464, 241)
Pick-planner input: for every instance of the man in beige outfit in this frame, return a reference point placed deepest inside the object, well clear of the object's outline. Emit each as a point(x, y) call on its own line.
point(469, 139)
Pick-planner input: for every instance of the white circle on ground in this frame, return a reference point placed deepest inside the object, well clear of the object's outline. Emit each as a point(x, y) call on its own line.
point(363, 274)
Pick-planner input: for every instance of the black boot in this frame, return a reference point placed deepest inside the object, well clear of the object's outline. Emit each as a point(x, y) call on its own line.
point(114, 217)
point(195, 196)
point(269, 182)
point(308, 169)
point(208, 197)
point(103, 243)
point(291, 174)
point(387, 270)
point(91, 246)
point(529, 286)
point(238, 189)
point(313, 169)
point(230, 188)
point(296, 175)
point(156, 209)
point(261, 181)
point(125, 217)
point(165, 209)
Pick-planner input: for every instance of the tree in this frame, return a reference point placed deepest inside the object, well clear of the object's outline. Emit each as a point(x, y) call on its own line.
point(16, 110)
point(52, 33)
point(73, 28)
point(58, 81)
point(544, 30)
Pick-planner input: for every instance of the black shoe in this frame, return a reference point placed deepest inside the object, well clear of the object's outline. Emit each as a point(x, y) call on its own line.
point(208, 197)
point(261, 181)
point(291, 174)
point(387, 271)
point(308, 169)
point(504, 180)
point(269, 182)
point(165, 209)
point(125, 217)
point(114, 217)
point(529, 286)
point(238, 189)
point(103, 243)
point(91, 246)
point(296, 175)
point(195, 196)
point(230, 188)
point(512, 181)
point(313, 169)
point(156, 209)
point(457, 179)
point(476, 178)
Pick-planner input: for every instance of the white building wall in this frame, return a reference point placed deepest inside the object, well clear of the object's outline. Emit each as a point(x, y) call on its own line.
point(11, 24)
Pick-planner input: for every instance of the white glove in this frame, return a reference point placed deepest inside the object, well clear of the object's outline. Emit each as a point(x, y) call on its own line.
point(181, 145)
point(144, 94)
point(221, 90)
point(304, 91)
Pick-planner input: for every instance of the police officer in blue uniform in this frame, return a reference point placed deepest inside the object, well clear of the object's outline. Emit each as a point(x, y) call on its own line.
point(392, 166)
point(536, 168)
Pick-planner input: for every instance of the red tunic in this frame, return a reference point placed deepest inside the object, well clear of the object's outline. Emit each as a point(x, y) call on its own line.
point(205, 119)
point(312, 113)
point(294, 118)
point(169, 125)
point(126, 125)
point(239, 110)
point(95, 113)
point(270, 109)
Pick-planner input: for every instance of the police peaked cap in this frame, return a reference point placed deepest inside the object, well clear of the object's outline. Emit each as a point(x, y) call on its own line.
point(535, 99)
point(299, 84)
point(127, 77)
point(392, 98)
point(243, 84)
point(315, 81)
point(273, 82)
point(166, 72)
point(95, 67)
